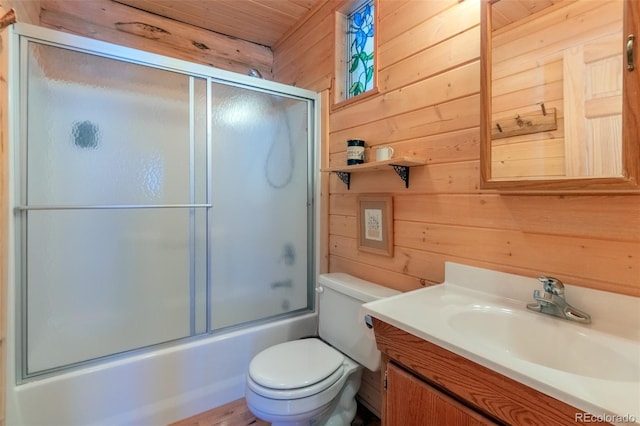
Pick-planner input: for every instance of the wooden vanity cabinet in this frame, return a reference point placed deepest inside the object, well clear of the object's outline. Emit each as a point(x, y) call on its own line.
point(428, 385)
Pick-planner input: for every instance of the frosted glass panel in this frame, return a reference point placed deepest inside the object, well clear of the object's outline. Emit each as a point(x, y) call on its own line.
point(105, 281)
point(99, 277)
point(103, 131)
point(260, 213)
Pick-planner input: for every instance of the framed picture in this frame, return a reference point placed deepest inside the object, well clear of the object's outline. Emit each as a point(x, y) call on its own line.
point(375, 224)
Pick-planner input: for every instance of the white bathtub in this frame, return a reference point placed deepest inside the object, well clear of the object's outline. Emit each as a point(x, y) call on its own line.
point(154, 388)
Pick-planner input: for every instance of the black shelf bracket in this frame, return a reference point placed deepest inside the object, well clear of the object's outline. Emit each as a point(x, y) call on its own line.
point(403, 172)
point(346, 178)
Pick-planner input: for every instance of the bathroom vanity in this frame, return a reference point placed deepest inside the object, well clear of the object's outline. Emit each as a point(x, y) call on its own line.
point(429, 385)
point(469, 352)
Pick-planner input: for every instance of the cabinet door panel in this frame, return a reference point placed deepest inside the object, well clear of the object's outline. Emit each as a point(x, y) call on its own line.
point(410, 401)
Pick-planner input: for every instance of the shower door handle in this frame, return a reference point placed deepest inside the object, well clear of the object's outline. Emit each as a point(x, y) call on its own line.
point(113, 207)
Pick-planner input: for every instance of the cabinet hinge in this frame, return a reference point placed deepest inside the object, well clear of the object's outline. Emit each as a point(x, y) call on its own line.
point(384, 381)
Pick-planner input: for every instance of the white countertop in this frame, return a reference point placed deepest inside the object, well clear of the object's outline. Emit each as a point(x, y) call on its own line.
point(594, 367)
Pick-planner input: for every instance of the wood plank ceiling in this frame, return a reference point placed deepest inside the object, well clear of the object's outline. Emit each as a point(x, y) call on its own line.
point(258, 21)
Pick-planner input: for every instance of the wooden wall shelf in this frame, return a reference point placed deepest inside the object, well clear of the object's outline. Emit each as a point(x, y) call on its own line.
point(401, 165)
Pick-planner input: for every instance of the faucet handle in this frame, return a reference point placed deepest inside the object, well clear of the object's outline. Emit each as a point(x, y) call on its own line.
point(552, 285)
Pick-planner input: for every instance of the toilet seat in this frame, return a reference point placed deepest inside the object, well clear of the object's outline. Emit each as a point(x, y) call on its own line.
point(295, 369)
point(298, 392)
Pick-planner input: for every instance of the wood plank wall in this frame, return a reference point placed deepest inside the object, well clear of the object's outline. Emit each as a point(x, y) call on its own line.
point(26, 11)
point(126, 26)
point(428, 105)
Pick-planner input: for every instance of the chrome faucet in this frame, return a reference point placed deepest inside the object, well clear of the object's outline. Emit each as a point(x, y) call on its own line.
point(552, 302)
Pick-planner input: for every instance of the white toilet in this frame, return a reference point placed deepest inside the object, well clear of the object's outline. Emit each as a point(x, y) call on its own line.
point(314, 381)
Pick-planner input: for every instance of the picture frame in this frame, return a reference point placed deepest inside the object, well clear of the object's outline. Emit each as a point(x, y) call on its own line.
point(374, 220)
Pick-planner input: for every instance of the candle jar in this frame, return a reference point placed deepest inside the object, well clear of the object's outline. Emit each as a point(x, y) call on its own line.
point(355, 152)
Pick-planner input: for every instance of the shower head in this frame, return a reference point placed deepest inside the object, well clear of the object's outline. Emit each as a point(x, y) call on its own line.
point(254, 73)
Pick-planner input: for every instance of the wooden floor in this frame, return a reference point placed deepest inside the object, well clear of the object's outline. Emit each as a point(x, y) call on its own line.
point(236, 413)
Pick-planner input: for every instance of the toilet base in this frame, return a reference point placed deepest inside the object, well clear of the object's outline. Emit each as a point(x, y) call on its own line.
point(344, 406)
point(297, 420)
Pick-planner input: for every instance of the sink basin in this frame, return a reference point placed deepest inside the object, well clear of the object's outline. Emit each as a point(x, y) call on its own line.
point(481, 315)
point(545, 341)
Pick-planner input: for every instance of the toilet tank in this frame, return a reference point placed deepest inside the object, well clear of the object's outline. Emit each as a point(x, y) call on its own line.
point(341, 323)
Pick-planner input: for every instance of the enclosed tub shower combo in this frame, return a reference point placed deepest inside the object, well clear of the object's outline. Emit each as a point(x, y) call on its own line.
point(162, 230)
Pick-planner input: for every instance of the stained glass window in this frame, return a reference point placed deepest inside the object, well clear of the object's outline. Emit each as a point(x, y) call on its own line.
point(360, 30)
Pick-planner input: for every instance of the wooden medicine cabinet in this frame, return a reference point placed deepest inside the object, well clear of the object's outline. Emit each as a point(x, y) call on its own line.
point(560, 95)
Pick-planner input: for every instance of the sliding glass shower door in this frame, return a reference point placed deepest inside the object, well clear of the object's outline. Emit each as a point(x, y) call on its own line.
point(152, 205)
point(261, 197)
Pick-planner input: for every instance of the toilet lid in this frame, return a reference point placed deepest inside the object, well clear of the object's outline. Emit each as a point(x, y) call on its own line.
point(295, 364)
point(297, 393)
